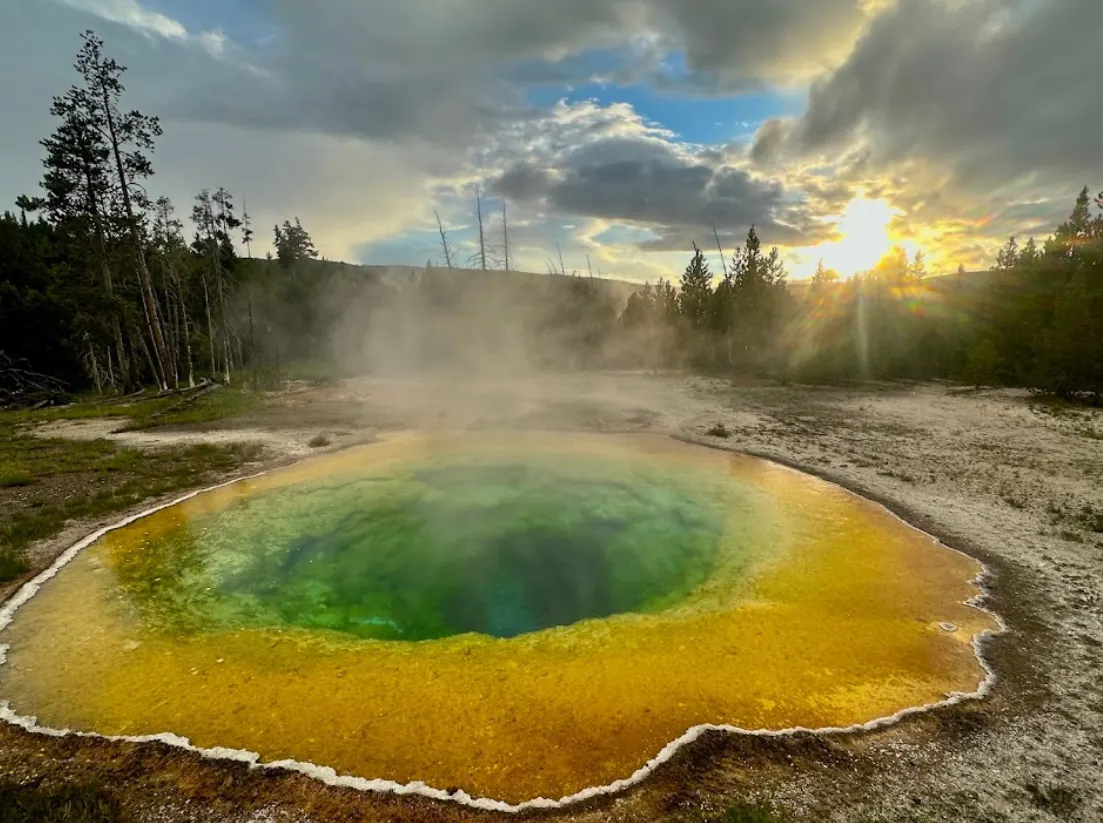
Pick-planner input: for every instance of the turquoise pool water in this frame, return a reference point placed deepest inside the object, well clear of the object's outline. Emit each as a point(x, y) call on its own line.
point(500, 547)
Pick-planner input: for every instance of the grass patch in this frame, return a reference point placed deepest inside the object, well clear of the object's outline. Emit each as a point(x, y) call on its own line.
point(13, 563)
point(67, 804)
point(719, 430)
point(221, 404)
point(147, 412)
point(318, 442)
point(1068, 408)
point(73, 480)
point(902, 476)
point(12, 477)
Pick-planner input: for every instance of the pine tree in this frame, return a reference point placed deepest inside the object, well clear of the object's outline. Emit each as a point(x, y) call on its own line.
point(206, 247)
point(696, 291)
point(130, 137)
point(78, 192)
point(758, 282)
point(1008, 256)
point(723, 317)
point(823, 278)
point(293, 244)
point(918, 268)
point(225, 223)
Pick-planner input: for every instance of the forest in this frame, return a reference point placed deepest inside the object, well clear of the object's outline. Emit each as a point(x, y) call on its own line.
point(101, 290)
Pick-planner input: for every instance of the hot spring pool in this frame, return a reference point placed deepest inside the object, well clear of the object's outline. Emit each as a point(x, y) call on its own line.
point(514, 616)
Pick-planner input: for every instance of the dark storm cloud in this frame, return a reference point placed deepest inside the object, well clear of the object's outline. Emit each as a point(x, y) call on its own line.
point(740, 40)
point(446, 72)
point(465, 44)
point(523, 183)
point(683, 238)
point(408, 74)
point(988, 91)
point(643, 180)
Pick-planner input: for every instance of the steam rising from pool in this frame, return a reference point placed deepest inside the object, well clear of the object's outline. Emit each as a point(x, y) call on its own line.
point(519, 616)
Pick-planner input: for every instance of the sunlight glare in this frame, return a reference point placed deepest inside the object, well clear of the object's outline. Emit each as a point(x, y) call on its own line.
point(864, 226)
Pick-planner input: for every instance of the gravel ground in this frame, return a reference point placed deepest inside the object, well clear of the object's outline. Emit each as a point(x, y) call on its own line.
point(1016, 483)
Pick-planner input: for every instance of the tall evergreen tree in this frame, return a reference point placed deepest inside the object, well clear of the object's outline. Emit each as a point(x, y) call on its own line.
point(696, 291)
point(130, 138)
point(294, 244)
point(78, 199)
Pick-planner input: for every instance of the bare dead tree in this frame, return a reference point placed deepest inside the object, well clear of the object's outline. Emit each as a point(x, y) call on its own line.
point(720, 248)
point(444, 241)
point(92, 364)
point(247, 238)
point(562, 265)
point(505, 232)
point(482, 234)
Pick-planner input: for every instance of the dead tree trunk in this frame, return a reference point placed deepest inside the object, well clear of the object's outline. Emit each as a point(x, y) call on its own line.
point(210, 325)
point(482, 234)
point(444, 241)
point(227, 347)
point(144, 280)
point(172, 330)
point(100, 240)
point(505, 232)
point(720, 248)
point(93, 364)
point(185, 329)
point(146, 352)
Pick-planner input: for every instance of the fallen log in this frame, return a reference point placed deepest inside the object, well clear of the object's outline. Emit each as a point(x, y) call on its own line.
point(197, 392)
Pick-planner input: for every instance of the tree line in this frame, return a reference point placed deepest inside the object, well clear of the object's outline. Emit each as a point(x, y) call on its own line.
point(100, 288)
point(97, 280)
point(1035, 320)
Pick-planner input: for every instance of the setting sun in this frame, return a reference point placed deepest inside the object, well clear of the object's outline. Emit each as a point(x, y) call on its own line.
point(864, 226)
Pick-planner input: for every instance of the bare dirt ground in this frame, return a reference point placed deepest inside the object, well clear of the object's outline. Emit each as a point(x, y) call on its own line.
point(1015, 483)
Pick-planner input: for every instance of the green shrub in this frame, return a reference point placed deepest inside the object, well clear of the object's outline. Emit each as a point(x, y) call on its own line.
point(68, 804)
point(12, 564)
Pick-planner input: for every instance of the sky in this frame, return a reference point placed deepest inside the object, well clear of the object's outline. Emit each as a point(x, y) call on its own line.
point(617, 132)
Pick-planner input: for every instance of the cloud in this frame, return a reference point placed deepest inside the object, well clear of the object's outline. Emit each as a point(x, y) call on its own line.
point(951, 104)
point(610, 164)
point(395, 68)
point(346, 192)
point(742, 44)
point(363, 116)
point(131, 13)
